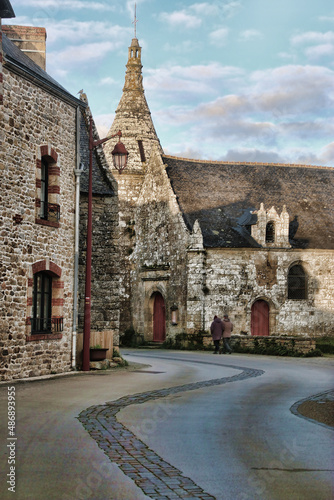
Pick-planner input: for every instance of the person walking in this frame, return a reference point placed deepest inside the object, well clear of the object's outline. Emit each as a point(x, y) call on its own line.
point(227, 331)
point(216, 332)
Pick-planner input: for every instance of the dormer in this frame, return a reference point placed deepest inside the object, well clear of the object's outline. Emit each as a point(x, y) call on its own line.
point(271, 230)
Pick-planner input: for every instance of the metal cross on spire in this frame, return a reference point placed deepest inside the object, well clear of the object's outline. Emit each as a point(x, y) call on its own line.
point(135, 21)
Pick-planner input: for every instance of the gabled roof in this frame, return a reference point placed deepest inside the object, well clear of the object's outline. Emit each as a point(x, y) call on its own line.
point(18, 61)
point(102, 180)
point(6, 10)
point(222, 196)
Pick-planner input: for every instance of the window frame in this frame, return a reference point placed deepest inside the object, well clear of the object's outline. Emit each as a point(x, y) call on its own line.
point(300, 290)
point(44, 189)
point(42, 302)
point(270, 232)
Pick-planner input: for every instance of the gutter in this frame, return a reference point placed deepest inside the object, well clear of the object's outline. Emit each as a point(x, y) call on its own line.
point(39, 81)
point(77, 171)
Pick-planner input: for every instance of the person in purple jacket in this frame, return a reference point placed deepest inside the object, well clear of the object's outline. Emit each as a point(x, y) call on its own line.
point(216, 332)
point(227, 330)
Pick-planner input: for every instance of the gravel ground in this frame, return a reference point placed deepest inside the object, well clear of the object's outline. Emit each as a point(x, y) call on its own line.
point(319, 408)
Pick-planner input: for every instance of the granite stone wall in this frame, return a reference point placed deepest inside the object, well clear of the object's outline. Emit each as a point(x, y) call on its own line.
point(159, 262)
point(200, 282)
point(236, 278)
point(34, 123)
point(105, 273)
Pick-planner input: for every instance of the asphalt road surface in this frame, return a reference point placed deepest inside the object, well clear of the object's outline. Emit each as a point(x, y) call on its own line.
point(179, 425)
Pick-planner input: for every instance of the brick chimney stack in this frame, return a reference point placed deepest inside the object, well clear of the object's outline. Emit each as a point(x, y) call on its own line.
point(31, 40)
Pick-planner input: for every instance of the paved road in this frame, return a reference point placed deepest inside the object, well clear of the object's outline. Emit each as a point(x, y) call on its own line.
point(188, 425)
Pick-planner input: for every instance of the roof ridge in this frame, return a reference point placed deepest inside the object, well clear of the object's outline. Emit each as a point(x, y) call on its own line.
point(250, 163)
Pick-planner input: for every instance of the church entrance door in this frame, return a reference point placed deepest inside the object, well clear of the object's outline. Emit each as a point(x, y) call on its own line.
point(159, 318)
point(260, 318)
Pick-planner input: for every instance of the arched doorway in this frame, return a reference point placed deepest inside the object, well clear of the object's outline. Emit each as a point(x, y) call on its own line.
point(159, 318)
point(260, 318)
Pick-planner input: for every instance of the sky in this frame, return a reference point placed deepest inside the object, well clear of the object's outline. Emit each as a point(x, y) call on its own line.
point(227, 80)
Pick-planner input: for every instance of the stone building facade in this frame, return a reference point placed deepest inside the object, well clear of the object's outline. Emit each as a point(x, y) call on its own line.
point(38, 157)
point(201, 238)
point(208, 254)
point(133, 118)
point(105, 250)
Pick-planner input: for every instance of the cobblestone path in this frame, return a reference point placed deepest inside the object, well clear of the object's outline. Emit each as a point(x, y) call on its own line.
point(157, 478)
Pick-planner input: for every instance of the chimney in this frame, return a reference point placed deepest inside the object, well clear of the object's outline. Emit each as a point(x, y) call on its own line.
point(30, 40)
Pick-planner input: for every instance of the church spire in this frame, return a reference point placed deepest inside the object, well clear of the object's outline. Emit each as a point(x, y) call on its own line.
point(133, 76)
point(133, 116)
point(135, 21)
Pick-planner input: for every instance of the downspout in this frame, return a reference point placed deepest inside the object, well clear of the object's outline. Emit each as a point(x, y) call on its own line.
point(77, 172)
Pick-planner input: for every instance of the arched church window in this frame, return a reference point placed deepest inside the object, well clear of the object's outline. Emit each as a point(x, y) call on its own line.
point(270, 232)
point(297, 283)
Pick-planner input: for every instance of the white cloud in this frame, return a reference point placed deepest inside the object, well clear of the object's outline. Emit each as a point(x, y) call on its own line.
point(329, 19)
point(203, 76)
point(253, 155)
point(74, 56)
point(183, 47)
point(248, 35)
point(294, 89)
point(313, 37)
point(180, 18)
point(106, 81)
point(327, 154)
point(103, 123)
point(318, 51)
point(229, 9)
point(77, 31)
point(193, 16)
point(269, 112)
point(56, 5)
point(219, 37)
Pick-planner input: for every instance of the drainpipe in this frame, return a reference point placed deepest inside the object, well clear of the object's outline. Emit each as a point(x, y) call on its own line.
point(77, 171)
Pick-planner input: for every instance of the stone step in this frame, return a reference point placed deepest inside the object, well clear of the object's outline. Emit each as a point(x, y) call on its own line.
point(151, 345)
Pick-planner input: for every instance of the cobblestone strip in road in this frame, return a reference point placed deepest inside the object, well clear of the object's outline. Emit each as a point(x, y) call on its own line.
point(157, 478)
point(315, 414)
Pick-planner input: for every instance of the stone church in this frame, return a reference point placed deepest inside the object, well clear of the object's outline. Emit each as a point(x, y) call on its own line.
point(199, 238)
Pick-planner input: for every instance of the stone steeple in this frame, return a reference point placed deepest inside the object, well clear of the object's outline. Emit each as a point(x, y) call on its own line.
point(133, 116)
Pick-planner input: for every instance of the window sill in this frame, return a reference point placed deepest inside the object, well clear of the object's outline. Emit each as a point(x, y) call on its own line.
point(44, 336)
point(49, 223)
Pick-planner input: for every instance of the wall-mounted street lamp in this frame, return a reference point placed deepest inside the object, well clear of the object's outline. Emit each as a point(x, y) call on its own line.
point(120, 156)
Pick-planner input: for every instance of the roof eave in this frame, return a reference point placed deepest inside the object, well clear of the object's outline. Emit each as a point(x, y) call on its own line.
point(6, 10)
point(17, 68)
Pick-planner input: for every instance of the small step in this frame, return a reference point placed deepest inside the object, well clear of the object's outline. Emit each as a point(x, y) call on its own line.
point(151, 345)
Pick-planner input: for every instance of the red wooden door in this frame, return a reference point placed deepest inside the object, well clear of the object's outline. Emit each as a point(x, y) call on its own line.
point(260, 318)
point(159, 319)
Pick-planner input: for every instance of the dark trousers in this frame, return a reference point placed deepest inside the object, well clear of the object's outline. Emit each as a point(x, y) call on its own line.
point(226, 342)
point(216, 342)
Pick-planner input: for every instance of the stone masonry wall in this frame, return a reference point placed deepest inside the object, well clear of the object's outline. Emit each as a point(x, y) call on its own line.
point(33, 120)
point(200, 283)
point(1, 74)
point(105, 273)
point(159, 259)
point(235, 279)
point(129, 185)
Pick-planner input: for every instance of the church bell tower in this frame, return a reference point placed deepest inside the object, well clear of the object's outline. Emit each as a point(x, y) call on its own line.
point(139, 137)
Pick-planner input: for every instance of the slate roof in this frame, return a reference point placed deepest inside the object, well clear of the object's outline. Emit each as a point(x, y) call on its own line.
point(223, 195)
point(6, 10)
point(22, 63)
point(102, 185)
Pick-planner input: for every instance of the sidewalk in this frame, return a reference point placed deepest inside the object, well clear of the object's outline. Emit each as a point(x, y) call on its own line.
point(55, 457)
